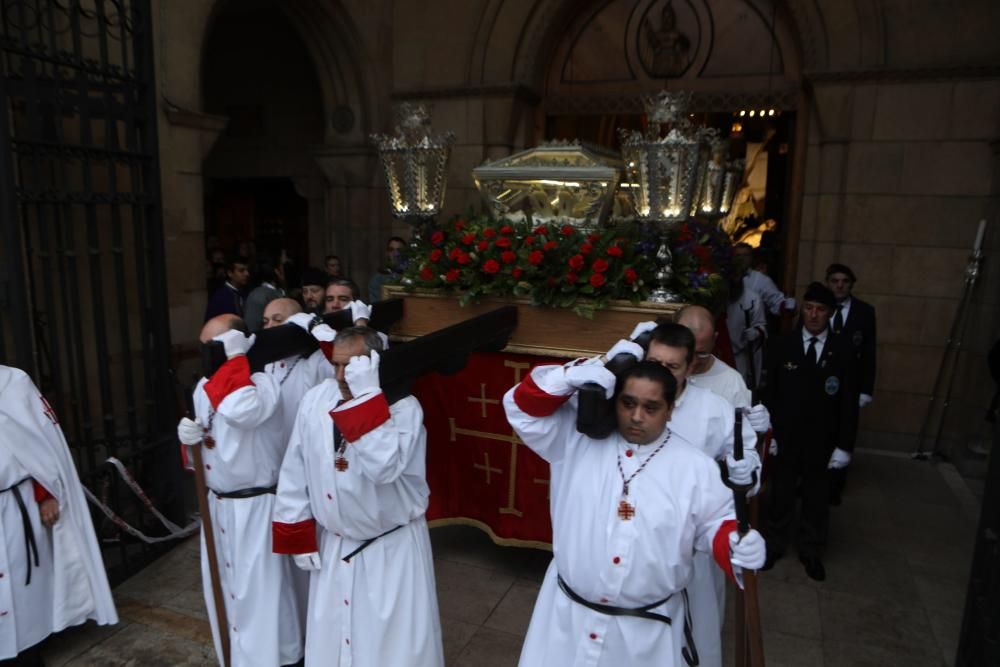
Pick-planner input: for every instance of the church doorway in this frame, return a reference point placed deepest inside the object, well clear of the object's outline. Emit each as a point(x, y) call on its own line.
point(258, 73)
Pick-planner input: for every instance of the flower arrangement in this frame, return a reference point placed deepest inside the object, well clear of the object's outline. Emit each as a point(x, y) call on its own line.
point(553, 265)
point(702, 260)
point(562, 266)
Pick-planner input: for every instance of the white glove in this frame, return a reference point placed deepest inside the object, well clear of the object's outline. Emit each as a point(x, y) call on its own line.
point(748, 552)
point(839, 459)
point(235, 342)
point(864, 399)
point(190, 431)
point(789, 303)
point(309, 562)
point(577, 376)
point(759, 418)
point(772, 449)
point(361, 374)
point(740, 472)
point(642, 328)
point(751, 334)
point(626, 347)
point(302, 320)
point(360, 311)
point(324, 333)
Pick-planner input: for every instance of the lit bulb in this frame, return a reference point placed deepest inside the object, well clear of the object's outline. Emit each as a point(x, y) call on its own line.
point(743, 112)
point(761, 113)
point(770, 112)
point(751, 113)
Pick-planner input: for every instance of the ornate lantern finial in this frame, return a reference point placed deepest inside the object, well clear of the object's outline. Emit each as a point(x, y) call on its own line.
point(415, 163)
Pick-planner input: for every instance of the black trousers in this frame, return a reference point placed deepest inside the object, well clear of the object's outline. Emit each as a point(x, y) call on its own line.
point(792, 475)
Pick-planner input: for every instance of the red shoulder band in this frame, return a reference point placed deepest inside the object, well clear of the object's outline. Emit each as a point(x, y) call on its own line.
point(534, 401)
point(362, 418)
point(232, 375)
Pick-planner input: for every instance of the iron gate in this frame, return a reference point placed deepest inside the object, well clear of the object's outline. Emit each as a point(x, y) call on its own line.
point(83, 305)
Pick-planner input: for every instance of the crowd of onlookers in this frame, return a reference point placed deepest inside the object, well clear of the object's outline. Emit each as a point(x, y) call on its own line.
point(244, 282)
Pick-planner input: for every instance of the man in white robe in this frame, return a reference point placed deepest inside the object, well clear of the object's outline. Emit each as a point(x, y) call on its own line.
point(242, 452)
point(51, 573)
point(351, 504)
point(628, 513)
point(707, 421)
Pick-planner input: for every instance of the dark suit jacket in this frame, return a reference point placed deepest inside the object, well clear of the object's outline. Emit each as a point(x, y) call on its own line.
point(810, 406)
point(859, 332)
point(224, 299)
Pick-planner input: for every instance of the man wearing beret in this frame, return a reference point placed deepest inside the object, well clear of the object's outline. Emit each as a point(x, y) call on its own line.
point(809, 394)
point(854, 321)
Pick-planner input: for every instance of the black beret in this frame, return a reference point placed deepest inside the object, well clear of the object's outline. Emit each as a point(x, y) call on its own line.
point(820, 293)
point(841, 268)
point(314, 276)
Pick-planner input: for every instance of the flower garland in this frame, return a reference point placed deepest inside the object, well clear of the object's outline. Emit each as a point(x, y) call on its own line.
point(553, 265)
point(562, 266)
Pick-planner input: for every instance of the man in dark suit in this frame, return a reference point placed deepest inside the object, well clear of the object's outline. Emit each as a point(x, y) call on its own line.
point(854, 321)
point(230, 296)
point(808, 392)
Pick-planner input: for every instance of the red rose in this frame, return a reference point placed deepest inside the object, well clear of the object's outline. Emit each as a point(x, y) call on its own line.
point(502, 243)
point(576, 262)
point(599, 266)
point(539, 230)
point(597, 279)
point(508, 256)
point(489, 233)
point(551, 245)
point(552, 281)
point(426, 274)
point(436, 255)
point(454, 254)
point(469, 239)
point(567, 230)
point(491, 266)
point(483, 246)
point(614, 251)
point(517, 272)
point(536, 257)
point(507, 230)
point(437, 238)
point(459, 225)
point(594, 238)
point(631, 276)
point(452, 275)
point(586, 248)
point(528, 240)
point(571, 278)
point(463, 258)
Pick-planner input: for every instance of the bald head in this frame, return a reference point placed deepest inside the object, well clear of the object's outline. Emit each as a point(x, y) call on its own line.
point(278, 311)
point(701, 323)
point(697, 319)
point(220, 324)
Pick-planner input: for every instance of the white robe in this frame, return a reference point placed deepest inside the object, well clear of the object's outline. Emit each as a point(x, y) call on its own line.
point(265, 627)
point(380, 609)
point(69, 585)
point(681, 506)
point(296, 376)
point(708, 421)
point(736, 321)
point(724, 381)
point(761, 283)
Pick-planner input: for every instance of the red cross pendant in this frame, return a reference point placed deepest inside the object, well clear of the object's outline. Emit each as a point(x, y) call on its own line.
point(340, 464)
point(625, 510)
point(209, 441)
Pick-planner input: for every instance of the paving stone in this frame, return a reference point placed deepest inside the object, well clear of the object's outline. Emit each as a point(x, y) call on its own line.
point(469, 593)
point(513, 613)
point(491, 648)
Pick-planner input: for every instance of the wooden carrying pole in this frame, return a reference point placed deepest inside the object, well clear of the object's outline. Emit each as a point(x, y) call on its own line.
point(213, 558)
point(749, 639)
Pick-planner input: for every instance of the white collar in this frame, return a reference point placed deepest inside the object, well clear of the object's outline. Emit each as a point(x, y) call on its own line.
point(846, 303)
point(820, 337)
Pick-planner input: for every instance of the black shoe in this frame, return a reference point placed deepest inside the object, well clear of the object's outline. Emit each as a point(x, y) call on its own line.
point(814, 567)
point(771, 559)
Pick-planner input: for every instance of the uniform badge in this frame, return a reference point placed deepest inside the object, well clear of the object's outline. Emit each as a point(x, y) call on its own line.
point(832, 386)
point(789, 366)
point(858, 337)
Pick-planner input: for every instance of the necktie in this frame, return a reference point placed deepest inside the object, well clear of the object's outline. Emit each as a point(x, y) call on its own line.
point(838, 319)
point(811, 352)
